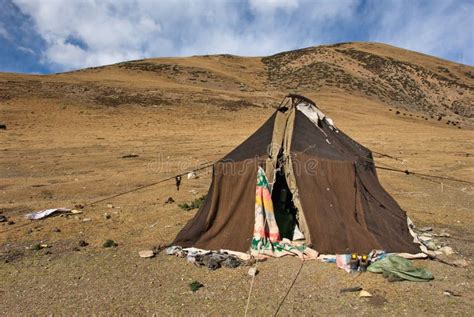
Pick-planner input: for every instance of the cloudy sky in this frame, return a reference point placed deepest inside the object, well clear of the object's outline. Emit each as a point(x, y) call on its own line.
point(44, 36)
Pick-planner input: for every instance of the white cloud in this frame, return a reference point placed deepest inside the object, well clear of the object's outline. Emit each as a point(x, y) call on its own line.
point(89, 33)
point(4, 33)
point(441, 28)
point(26, 50)
point(269, 6)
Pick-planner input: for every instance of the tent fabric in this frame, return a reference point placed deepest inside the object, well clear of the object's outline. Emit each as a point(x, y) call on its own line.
point(341, 205)
point(226, 219)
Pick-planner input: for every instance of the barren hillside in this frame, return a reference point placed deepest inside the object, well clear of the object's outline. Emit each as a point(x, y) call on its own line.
point(396, 78)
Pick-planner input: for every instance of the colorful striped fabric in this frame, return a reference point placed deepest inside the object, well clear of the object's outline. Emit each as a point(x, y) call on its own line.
point(266, 236)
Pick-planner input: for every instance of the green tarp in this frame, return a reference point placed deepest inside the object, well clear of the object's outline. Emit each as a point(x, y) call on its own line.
point(396, 268)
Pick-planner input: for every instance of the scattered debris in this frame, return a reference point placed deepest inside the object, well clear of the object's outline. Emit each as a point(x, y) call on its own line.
point(364, 294)
point(132, 155)
point(146, 253)
point(431, 245)
point(110, 244)
point(45, 213)
point(350, 289)
point(195, 285)
point(445, 250)
point(83, 243)
point(252, 271)
point(449, 293)
point(231, 262)
point(157, 249)
point(170, 200)
point(425, 229)
point(442, 234)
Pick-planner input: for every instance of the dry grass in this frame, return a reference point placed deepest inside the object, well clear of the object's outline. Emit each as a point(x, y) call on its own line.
point(66, 136)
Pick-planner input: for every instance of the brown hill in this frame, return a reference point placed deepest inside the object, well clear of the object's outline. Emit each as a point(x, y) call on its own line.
point(394, 77)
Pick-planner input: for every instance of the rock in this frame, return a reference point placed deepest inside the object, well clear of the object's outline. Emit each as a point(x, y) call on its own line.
point(11, 222)
point(449, 293)
point(425, 238)
point(75, 211)
point(252, 271)
point(83, 243)
point(56, 230)
point(170, 200)
point(364, 294)
point(107, 216)
point(86, 219)
point(425, 229)
point(146, 253)
point(192, 175)
point(445, 251)
point(431, 246)
point(3, 218)
point(3, 126)
point(110, 206)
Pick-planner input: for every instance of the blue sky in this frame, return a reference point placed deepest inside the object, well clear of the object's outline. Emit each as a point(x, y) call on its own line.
point(53, 36)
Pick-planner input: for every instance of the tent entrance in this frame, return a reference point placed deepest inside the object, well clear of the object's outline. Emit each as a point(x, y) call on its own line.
point(285, 210)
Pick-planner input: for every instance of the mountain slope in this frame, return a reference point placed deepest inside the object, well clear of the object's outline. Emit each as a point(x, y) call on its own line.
point(392, 76)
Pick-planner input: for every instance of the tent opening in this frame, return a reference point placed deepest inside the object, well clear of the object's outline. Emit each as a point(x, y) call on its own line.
point(285, 210)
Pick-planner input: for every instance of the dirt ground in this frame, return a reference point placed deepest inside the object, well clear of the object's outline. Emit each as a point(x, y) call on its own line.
point(53, 157)
point(57, 152)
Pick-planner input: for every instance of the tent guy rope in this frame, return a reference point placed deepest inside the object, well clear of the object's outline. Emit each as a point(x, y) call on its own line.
point(211, 163)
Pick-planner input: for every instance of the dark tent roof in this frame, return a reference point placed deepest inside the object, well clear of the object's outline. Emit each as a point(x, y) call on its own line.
point(343, 205)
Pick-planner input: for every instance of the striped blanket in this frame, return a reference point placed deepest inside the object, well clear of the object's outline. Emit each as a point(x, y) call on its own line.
point(266, 236)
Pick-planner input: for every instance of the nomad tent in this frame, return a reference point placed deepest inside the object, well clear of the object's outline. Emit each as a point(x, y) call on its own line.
point(298, 177)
